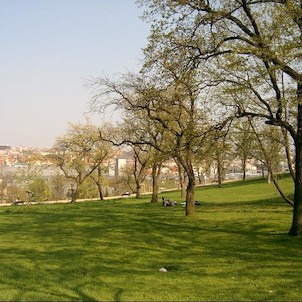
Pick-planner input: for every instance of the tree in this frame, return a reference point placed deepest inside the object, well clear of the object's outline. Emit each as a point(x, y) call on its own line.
point(243, 138)
point(135, 172)
point(181, 177)
point(267, 149)
point(126, 178)
point(141, 161)
point(31, 185)
point(88, 189)
point(9, 190)
point(172, 110)
point(57, 183)
point(79, 153)
point(203, 165)
point(136, 123)
point(128, 134)
point(156, 172)
point(220, 153)
point(249, 48)
point(97, 178)
point(38, 190)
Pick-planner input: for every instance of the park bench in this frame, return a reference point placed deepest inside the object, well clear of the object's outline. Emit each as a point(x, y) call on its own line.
point(17, 202)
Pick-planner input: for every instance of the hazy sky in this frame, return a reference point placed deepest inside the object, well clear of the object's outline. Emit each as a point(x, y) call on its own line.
point(48, 50)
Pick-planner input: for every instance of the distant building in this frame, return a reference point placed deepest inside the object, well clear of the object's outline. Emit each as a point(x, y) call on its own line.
point(115, 167)
point(119, 165)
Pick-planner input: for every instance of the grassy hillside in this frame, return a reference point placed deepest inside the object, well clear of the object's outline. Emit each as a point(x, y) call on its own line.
point(236, 248)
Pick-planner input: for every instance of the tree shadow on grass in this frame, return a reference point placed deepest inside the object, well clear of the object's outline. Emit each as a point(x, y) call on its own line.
point(248, 182)
point(120, 248)
point(118, 295)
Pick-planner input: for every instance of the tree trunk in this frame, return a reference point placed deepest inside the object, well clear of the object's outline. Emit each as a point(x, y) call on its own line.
point(74, 194)
point(290, 202)
point(190, 194)
point(155, 179)
point(182, 185)
point(100, 191)
point(244, 167)
point(288, 153)
point(269, 176)
point(296, 228)
point(181, 174)
point(138, 191)
point(219, 172)
point(99, 171)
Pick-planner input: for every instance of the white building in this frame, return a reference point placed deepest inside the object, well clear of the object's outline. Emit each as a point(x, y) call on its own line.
point(115, 167)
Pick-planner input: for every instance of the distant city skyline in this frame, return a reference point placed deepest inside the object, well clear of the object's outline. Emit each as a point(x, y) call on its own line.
point(49, 50)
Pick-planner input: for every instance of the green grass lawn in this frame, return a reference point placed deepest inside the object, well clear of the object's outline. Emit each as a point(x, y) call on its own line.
point(235, 248)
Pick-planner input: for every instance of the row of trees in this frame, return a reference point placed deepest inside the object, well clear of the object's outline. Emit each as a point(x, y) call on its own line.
point(207, 64)
point(80, 162)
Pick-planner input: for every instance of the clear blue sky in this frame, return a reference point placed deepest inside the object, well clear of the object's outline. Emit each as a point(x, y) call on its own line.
point(48, 49)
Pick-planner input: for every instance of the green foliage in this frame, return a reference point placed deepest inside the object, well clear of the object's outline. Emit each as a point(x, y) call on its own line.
point(80, 152)
point(88, 189)
point(40, 190)
point(236, 248)
point(57, 183)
